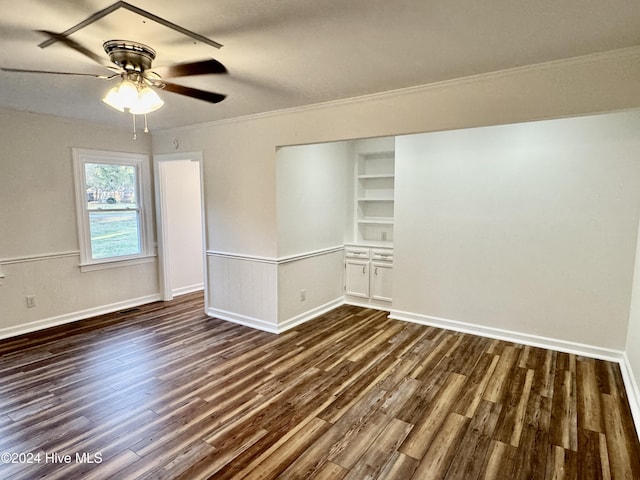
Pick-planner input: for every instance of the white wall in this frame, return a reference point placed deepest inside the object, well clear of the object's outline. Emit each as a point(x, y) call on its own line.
point(321, 278)
point(529, 227)
point(314, 186)
point(39, 249)
point(183, 224)
point(313, 183)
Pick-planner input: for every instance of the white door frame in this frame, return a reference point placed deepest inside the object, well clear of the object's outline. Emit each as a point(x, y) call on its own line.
point(164, 269)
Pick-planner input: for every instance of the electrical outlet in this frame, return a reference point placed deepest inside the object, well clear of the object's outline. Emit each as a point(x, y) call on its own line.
point(303, 295)
point(31, 301)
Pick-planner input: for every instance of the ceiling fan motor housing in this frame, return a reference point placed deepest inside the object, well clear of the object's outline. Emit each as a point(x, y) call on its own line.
point(130, 55)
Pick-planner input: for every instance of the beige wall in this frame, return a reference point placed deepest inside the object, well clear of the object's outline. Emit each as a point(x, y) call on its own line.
point(39, 249)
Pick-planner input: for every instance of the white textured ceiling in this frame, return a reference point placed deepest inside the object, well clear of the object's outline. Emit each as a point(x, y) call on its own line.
point(287, 53)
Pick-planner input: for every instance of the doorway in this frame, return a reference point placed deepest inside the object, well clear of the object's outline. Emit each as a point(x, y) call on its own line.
point(179, 217)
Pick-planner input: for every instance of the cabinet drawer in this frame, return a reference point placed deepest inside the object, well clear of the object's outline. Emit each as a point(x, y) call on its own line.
point(353, 252)
point(384, 255)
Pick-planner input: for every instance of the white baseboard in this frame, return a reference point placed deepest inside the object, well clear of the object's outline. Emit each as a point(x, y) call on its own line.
point(271, 327)
point(309, 315)
point(75, 316)
point(631, 387)
point(242, 320)
point(188, 289)
point(512, 336)
point(366, 304)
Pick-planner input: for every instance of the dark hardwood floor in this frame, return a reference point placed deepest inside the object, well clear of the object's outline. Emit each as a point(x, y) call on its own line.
point(163, 391)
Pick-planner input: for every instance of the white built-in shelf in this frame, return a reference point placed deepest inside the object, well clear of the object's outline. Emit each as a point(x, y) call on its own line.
point(375, 199)
point(371, 244)
point(376, 175)
point(376, 220)
point(374, 195)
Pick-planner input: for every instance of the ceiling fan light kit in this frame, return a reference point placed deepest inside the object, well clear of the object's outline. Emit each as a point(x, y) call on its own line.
point(132, 62)
point(138, 98)
point(134, 91)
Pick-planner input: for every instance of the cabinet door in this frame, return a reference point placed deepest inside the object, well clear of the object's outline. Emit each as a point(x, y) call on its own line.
point(381, 274)
point(357, 278)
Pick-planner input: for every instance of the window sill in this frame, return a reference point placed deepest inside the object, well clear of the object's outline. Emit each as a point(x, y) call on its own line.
point(91, 267)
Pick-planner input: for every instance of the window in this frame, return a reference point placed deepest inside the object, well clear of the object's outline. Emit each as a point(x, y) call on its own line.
point(112, 192)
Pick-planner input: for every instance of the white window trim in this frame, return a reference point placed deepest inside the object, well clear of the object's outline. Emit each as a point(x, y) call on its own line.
point(140, 161)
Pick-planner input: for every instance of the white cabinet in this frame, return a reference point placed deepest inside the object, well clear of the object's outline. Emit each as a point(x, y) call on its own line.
point(381, 281)
point(369, 256)
point(368, 276)
point(356, 278)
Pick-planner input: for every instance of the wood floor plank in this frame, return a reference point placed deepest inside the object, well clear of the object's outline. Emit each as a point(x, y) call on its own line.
point(384, 446)
point(501, 463)
point(163, 391)
point(623, 463)
point(273, 463)
point(500, 378)
point(357, 440)
point(564, 428)
point(511, 421)
point(330, 471)
point(441, 452)
point(531, 458)
point(420, 438)
point(471, 453)
point(538, 414)
point(604, 457)
point(555, 469)
point(399, 466)
point(420, 402)
point(589, 410)
point(590, 461)
point(477, 383)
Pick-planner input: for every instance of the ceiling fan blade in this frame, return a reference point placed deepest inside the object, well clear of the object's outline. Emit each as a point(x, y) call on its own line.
point(22, 70)
point(210, 97)
point(77, 47)
point(203, 67)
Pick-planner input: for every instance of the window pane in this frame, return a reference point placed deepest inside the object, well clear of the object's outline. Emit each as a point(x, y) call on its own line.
point(114, 234)
point(110, 186)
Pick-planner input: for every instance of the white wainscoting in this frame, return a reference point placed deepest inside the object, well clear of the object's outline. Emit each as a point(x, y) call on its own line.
point(64, 294)
point(245, 289)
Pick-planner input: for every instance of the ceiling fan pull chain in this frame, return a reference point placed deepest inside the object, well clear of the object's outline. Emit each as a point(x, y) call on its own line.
point(146, 128)
point(135, 136)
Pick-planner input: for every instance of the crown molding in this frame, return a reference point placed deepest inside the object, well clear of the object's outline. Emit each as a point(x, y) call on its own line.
point(622, 54)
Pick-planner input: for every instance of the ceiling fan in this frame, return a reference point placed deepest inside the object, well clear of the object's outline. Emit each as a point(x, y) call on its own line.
point(132, 62)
